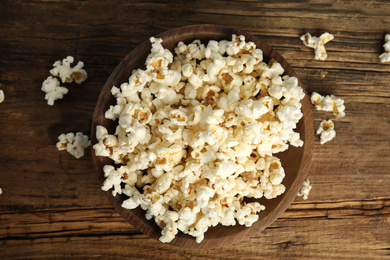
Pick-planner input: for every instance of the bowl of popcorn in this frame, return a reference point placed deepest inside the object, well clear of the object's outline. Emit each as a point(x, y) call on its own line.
point(202, 136)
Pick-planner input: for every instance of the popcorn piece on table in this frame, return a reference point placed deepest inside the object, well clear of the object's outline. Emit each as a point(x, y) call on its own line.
point(326, 130)
point(386, 46)
point(317, 43)
point(68, 74)
point(305, 189)
point(74, 144)
point(51, 86)
point(328, 103)
point(182, 161)
point(385, 57)
point(1, 191)
point(1, 95)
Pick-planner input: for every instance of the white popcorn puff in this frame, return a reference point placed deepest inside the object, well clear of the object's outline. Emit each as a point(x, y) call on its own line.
point(326, 131)
point(51, 86)
point(229, 80)
point(247, 214)
point(113, 179)
point(385, 57)
point(68, 74)
point(178, 117)
point(328, 103)
point(386, 46)
point(73, 143)
point(1, 95)
point(387, 37)
point(317, 44)
point(272, 71)
point(305, 189)
point(196, 135)
point(1, 191)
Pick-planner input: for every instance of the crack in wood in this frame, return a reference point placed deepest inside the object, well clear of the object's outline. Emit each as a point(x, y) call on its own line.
point(125, 234)
point(286, 245)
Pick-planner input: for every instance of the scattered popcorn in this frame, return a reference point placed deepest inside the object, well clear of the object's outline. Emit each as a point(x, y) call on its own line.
point(305, 190)
point(197, 133)
point(326, 130)
point(328, 103)
point(385, 57)
point(1, 191)
point(386, 46)
point(1, 95)
point(68, 74)
point(51, 86)
point(317, 44)
point(74, 144)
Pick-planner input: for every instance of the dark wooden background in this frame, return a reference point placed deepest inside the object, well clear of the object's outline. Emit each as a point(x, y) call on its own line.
point(52, 205)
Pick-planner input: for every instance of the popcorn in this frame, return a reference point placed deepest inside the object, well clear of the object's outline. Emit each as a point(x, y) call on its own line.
point(169, 232)
point(113, 179)
point(386, 46)
point(196, 135)
point(1, 191)
point(229, 79)
point(204, 194)
point(1, 95)
point(331, 104)
point(247, 214)
point(328, 103)
point(51, 86)
point(305, 189)
point(68, 74)
point(74, 144)
point(326, 130)
point(225, 169)
point(385, 57)
point(178, 117)
point(272, 70)
point(317, 44)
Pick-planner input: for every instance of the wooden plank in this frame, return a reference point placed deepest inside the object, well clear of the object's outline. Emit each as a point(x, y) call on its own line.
point(298, 233)
point(72, 221)
point(52, 205)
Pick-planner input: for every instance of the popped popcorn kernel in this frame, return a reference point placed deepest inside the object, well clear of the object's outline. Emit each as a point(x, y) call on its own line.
point(385, 57)
point(1, 95)
point(68, 74)
point(197, 133)
point(73, 143)
point(328, 103)
point(317, 43)
point(305, 189)
point(51, 86)
point(326, 131)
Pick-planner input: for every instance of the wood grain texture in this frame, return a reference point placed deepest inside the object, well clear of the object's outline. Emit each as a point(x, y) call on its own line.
point(52, 205)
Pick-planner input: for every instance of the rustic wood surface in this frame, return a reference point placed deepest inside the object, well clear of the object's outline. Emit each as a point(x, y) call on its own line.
point(52, 205)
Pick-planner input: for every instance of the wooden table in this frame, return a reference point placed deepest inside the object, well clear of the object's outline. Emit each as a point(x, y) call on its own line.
point(52, 205)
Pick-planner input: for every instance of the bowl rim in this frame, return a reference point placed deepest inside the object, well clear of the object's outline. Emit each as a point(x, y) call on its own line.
point(305, 124)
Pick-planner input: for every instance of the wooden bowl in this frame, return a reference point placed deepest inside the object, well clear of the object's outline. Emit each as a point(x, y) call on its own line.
point(295, 160)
